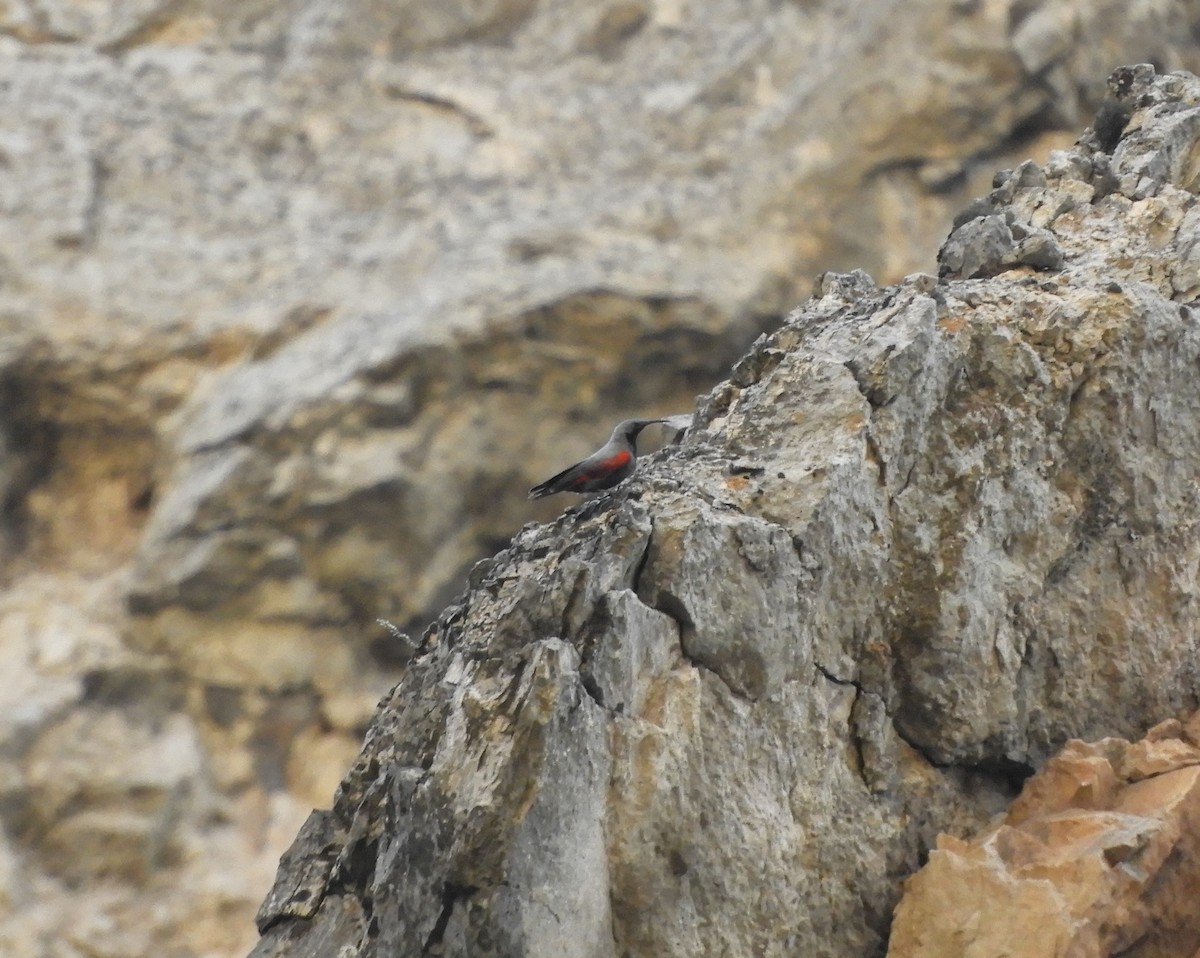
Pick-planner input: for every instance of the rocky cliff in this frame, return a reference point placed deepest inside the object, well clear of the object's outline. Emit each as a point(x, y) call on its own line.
point(297, 298)
point(925, 535)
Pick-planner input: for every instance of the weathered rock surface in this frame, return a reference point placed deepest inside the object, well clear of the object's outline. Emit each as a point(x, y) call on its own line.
point(925, 535)
point(1100, 855)
point(296, 299)
point(320, 270)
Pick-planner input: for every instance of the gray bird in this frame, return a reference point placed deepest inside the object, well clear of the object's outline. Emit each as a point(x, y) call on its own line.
point(612, 463)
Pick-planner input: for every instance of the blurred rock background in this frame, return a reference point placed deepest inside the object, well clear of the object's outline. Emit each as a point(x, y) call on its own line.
point(297, 299)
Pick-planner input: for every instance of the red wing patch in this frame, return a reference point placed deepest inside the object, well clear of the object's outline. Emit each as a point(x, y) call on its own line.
point(616, 462)
point(604, 468)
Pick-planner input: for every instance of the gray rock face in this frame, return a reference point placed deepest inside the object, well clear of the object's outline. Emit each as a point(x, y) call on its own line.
point(297, 298)
point(927, 533)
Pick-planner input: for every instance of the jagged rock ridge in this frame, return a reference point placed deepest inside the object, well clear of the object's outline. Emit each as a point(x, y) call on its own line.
point(923, 536)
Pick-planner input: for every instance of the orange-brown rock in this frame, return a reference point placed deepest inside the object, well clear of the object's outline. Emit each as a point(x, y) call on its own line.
point(1099, 856)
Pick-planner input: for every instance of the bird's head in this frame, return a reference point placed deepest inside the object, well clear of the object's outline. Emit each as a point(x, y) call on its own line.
point(629, 430)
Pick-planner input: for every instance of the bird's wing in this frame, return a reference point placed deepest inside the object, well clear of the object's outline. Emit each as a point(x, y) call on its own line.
point(557, 482)
point(594, 467)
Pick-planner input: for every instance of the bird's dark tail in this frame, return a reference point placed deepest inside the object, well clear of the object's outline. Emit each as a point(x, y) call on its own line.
point(550, 486)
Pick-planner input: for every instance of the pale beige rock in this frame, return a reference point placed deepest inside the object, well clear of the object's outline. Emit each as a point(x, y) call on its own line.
point(316, 763)
point(129, 784)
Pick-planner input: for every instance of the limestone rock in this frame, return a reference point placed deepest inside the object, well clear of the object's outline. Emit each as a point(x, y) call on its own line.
point(925, 535)
point(297, 298)
point(329, 265)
